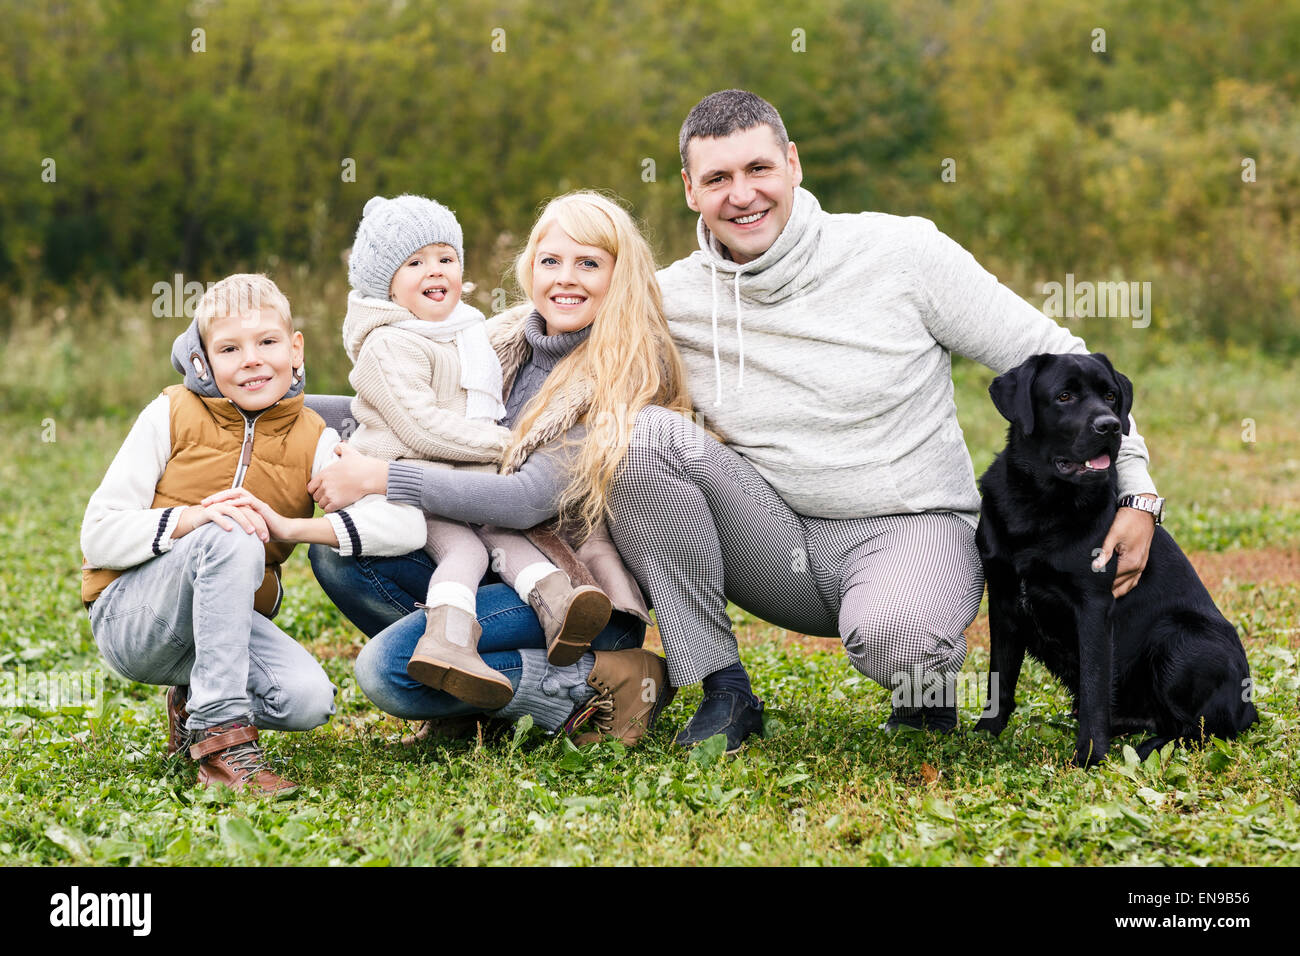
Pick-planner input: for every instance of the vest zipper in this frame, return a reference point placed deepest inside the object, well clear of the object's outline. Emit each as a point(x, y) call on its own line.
point(246, 451)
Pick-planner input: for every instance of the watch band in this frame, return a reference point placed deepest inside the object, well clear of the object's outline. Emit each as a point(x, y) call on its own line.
point(1154, 508)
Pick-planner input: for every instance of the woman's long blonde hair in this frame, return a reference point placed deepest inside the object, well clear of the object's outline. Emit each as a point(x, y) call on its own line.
point(629, 356)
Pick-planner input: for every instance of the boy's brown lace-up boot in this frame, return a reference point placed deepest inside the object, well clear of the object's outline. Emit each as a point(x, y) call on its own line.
point(632, 689)
point(570, 617)
point(178, 738)
point(229, 754)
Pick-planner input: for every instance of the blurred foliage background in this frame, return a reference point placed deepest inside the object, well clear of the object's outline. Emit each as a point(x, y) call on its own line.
point(205, 153)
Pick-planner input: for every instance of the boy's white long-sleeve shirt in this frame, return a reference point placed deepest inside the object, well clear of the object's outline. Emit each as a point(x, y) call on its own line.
point(122, 529)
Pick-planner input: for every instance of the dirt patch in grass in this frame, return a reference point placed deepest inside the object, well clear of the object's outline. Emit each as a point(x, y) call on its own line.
point(1229, 568)
point(755, 631)
point(977, 635)
point(339, 647)
point(1218, 570)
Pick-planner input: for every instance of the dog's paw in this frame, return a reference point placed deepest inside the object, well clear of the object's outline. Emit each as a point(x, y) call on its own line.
point(990, 725)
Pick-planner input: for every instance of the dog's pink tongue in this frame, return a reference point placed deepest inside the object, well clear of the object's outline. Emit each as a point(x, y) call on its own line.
point(1099, 463)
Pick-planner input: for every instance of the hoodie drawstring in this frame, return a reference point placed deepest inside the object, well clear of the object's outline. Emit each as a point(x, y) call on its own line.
point(717, 362)
point(740, 342)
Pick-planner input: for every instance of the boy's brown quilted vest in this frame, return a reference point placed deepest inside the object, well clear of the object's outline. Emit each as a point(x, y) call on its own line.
point(208, 442)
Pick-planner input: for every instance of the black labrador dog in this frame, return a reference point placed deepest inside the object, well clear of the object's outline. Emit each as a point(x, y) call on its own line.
point(1161, 658)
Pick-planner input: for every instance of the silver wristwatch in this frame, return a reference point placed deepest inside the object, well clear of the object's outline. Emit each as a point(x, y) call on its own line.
point(1155, 508)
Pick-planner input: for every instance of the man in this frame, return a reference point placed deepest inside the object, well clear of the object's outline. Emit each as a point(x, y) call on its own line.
point(841, 499)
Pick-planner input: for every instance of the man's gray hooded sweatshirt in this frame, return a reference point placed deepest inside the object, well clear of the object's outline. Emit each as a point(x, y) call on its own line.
point(826, 361)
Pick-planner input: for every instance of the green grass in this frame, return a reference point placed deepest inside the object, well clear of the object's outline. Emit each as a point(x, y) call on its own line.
point(825, 786)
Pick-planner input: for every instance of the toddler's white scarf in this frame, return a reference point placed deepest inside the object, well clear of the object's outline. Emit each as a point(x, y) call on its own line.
point(480, 370)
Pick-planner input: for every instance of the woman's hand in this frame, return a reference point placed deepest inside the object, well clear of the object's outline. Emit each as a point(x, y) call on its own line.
point(349, 479)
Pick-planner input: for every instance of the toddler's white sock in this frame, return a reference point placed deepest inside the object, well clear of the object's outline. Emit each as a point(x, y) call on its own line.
point(453, 593)
point(527, 579)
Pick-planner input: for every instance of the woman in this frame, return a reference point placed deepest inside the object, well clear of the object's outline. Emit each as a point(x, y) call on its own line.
point(590, 351)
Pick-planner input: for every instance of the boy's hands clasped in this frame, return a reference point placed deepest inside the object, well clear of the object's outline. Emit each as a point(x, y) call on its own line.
point(343, 483)
point(224, 514)
point(240, 506)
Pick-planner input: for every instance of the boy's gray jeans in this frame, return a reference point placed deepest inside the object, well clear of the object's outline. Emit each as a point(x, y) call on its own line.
point(186, 617)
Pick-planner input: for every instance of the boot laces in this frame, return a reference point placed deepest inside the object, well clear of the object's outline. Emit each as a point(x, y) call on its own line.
point(598, 711)
point(603, 713)
point(246, 758)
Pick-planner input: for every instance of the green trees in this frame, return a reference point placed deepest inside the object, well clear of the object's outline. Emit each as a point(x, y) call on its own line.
point(146, 138)
point(1163, 149)
point(264, 133)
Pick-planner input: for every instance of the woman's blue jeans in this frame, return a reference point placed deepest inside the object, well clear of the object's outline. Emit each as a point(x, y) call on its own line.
point(378, 595)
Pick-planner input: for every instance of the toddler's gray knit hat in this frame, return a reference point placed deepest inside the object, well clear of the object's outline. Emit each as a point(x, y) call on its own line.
point(392, 229)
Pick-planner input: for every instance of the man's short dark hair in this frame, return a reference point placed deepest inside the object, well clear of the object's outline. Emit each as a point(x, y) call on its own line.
point(725, 112)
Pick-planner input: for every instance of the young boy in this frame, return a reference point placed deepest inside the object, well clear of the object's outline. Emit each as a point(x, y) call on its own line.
point(181, 593)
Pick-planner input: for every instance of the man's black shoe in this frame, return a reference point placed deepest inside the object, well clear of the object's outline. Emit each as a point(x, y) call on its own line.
point(724, 712)
point(942, 720)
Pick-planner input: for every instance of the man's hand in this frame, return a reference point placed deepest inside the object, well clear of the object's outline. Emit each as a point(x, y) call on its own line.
point(1130, 537)
point(274, 525)
point(349, 479)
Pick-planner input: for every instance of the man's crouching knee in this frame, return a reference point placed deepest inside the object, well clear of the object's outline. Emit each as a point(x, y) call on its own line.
point(661, 441)
point(917, 665)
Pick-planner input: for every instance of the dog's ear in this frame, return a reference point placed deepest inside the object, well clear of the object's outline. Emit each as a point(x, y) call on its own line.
point(1125, 390)
point(1013, 394)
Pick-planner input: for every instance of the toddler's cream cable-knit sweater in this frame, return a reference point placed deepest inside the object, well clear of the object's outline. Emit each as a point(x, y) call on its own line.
point(410, 404)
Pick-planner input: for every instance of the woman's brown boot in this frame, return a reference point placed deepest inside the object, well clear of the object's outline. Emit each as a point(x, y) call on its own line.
point(447, 659)
point(632, 690)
